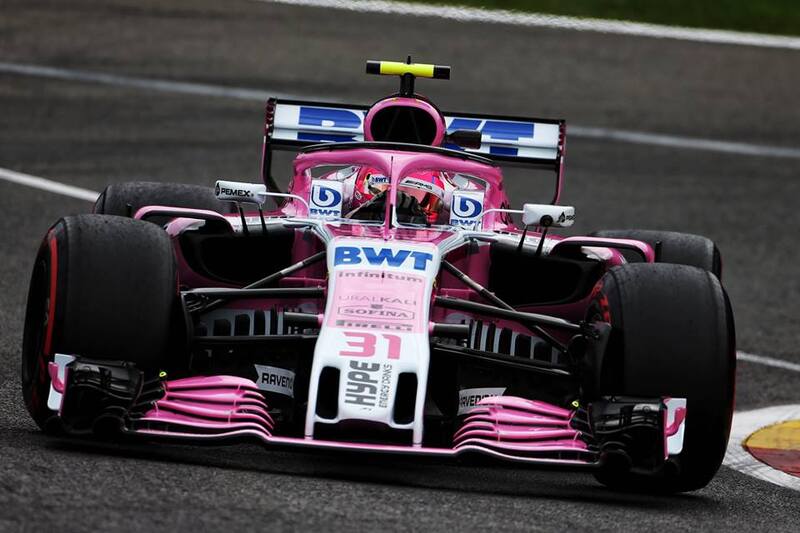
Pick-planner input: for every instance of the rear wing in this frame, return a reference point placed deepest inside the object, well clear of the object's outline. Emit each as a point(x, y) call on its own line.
point(529, 142)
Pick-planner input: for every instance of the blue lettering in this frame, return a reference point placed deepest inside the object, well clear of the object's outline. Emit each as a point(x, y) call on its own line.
point(421, 260)
point(324, 212)
point(351, 255)
point(461, 124)
point(508, 131)
point(503, 150)
point(321, 137)
point(495, 130)
point(385, 254)
point(329, 117)
point(464, 124)
point(346, 255)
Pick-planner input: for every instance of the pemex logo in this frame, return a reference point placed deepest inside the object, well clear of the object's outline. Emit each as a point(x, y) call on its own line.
point(216, 190)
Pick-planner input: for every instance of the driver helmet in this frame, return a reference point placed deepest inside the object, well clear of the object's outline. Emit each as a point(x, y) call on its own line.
point(369, 183)
point(426, 187)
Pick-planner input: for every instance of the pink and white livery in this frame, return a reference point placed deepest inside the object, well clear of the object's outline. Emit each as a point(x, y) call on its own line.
point(394, 301)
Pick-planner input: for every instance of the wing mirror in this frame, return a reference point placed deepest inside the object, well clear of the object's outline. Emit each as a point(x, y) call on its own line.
point(249, 193)
point(546, 216)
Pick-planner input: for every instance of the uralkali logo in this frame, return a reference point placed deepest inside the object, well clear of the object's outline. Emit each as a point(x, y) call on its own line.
point(468, 398)
point(274, 379)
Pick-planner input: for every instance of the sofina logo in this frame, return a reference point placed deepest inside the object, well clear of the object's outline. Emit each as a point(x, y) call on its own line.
point(326, 199)
point(466, 208)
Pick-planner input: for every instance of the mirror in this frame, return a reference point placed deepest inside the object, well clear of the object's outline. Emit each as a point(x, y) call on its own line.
point(546, 216)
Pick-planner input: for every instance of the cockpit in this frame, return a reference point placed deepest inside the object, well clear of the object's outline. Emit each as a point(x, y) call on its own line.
point(421, 189)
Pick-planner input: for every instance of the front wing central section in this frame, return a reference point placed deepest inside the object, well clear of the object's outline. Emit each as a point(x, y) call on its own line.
point(372, 355)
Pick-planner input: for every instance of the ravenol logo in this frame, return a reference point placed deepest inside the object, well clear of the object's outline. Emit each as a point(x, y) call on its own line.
point(466, 208)
point(326, 199)
point(355, 255)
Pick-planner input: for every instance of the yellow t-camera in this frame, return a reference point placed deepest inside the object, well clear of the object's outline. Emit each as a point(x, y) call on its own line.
point(418, 70)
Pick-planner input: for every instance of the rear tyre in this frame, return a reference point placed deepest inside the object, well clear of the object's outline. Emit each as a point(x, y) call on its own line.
point(677, 248)
point(103, 287)
point(672, 336)
point(124, 199)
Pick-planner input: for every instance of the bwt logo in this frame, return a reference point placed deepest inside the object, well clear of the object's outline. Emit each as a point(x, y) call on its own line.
point(466, 207)
point(355, 255)
point(325, 196)
point(495, 130)
point(337, 119)
point(326, 199)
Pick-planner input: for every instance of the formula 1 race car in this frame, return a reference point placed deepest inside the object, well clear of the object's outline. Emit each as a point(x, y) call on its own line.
point(390, 304)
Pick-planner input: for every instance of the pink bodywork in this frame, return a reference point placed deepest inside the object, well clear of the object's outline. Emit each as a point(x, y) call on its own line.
point(217, 407)
point(220, 407)
point(397, 164)
point(401, 101)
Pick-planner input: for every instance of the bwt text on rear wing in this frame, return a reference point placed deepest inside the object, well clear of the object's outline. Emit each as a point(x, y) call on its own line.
point(530, 142)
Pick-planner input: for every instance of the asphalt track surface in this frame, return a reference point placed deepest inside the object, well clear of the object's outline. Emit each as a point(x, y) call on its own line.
point(89, 135)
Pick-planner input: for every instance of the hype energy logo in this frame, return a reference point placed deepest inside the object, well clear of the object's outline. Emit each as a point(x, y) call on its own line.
point(326, 199)
point(466, 209)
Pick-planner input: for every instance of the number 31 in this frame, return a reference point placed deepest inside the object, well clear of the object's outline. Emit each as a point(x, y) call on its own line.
point(364, 346)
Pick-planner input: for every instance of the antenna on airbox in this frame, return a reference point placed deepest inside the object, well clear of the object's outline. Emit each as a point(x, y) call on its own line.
point(408, 72)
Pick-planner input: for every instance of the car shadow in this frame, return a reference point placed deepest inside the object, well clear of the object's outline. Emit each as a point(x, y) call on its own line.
point(478, 476)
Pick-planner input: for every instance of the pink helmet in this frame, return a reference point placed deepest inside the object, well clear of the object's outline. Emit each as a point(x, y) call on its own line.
point(426, 187)
point(369, 183)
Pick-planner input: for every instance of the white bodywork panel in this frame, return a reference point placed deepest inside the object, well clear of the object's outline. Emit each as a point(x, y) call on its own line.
point(376, 328)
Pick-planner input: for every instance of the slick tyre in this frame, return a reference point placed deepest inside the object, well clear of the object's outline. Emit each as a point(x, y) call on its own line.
point(124, 199)
point(674, 247)
point(102, 287)
point(672, 336)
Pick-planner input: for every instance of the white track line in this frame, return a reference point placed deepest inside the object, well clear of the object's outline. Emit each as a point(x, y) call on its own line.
point(685, 143)
point(243, 93)
point(745, 424)
point(767, 361)
point(152, 84)
point(518, 18)
point(48, 185)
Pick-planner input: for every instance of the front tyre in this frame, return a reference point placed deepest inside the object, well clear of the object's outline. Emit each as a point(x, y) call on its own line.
point(672, 336)
point(124, 199)
point(103, 287)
